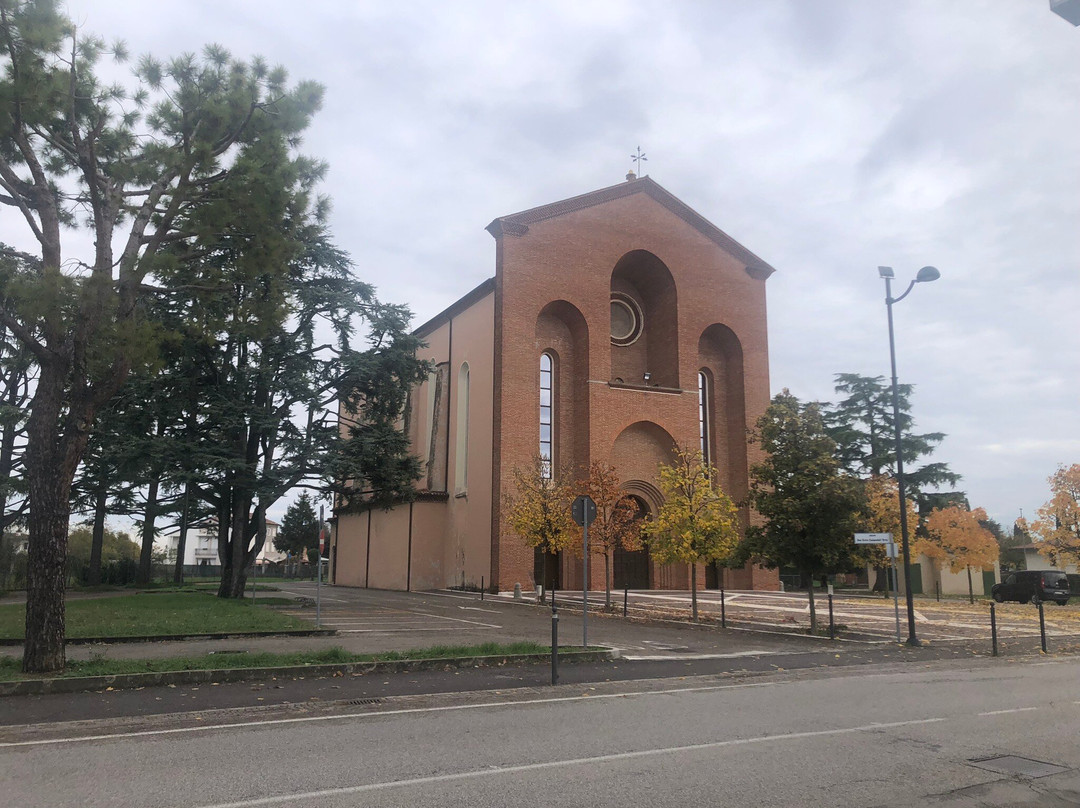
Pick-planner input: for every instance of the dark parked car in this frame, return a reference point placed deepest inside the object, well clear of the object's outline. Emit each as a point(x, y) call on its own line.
point(1034, 586)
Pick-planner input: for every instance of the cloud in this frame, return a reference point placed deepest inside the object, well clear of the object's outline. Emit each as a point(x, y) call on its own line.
point(828, 137)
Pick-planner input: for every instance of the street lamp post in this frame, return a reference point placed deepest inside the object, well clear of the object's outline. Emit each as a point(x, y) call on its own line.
point(925, 275)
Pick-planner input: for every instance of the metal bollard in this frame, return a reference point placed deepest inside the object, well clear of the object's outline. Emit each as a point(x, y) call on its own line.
point(554, 645)
point(723, 608)
point(625, 598)
point(832, 625)
point(1042, 627)
point(993, 630)
point(481, 587)
point(937, 586)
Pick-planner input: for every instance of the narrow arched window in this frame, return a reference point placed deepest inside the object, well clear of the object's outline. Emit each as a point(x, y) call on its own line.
point(547, 408)
point(461, 460)
point(703, 397)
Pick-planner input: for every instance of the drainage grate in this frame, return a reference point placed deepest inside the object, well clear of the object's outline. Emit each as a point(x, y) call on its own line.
point(1014, 764)
point(364, 701)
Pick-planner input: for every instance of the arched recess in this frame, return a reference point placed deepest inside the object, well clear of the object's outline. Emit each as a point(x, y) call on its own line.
point(720, 359)
point(461, 451)
point(644, 322)
point(637, 454)
point(562, 334)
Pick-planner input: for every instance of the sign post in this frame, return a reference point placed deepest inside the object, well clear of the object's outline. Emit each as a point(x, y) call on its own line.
point(584, 512)
point(890, 550)
point(318, 579)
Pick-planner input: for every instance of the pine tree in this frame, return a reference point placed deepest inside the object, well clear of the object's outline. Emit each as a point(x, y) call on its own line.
point(299, 531)
point(138, 164)
point(862, 425)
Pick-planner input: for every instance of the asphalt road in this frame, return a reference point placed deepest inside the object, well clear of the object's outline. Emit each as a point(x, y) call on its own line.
point(898, 735)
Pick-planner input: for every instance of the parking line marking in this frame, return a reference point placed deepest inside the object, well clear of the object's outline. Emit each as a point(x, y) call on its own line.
point(733, 655)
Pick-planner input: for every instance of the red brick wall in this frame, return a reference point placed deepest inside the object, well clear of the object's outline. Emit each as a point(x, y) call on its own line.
point(572, 258)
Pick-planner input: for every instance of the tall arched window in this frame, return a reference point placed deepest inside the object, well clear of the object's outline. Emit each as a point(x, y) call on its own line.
point(703, 397)
point(547, 408)
point(461, 460)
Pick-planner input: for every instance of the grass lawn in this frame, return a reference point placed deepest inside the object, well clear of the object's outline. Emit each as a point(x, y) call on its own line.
point(10, 667)
point(156, 614)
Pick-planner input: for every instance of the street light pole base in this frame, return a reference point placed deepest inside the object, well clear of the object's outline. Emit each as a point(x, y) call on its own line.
point(913, 642)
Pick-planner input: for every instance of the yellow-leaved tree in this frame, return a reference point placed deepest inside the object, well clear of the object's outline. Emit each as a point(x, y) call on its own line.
point(1057, 527)
point(538, 510)
point(698, 523)
point(955, 537)
point(883, 516)
point(616, 525)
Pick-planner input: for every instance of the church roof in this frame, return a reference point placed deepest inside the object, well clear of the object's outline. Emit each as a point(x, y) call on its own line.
point(517, 224)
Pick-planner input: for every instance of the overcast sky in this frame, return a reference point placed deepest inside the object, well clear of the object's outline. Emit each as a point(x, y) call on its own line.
point(828, 137)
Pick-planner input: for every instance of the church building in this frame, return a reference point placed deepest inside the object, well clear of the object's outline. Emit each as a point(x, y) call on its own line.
point(618, 323)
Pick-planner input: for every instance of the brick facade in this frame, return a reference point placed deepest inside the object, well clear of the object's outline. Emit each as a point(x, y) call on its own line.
point(700, 301)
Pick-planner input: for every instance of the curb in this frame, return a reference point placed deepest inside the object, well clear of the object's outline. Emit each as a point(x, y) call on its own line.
point(226, 635)
point(126, 681)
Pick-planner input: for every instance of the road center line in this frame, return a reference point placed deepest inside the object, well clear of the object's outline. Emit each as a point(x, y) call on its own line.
point(403, 711)
point(556, 764)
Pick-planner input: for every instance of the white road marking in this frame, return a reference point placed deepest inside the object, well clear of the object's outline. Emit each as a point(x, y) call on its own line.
point(395, 630)
point(458, 620)
point(478, 609)
point(403, 711)
point(556, 764)
point(1007, 712)
point(445, 594)
point(733, 655)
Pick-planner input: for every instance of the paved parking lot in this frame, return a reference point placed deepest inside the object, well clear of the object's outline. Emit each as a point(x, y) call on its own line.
point(870, 618)
point(351, 611)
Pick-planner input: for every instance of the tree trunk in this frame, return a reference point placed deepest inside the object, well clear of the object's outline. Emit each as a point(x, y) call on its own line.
point(881, 580)
point(544, 575)
point(607, 580)
point(181, 543)
point(97, 539)
point(146, 555)
point(7, 452)
point(813, 608)
point(693, 590)
point(971, 588)
point(236, 556)
point(51, 460)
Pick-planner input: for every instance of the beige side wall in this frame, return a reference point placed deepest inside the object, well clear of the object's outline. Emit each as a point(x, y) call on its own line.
point(450, 540)
point(466, 548)
point(951, 583)
point(349, 556)
point(1033, 560)
point(956, 583)
point(427, 569)
point(389, 549)
point(427, 424)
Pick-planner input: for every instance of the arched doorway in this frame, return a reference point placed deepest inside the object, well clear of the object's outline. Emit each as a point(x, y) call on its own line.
point(546, 569)
point(630, 568)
